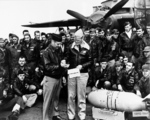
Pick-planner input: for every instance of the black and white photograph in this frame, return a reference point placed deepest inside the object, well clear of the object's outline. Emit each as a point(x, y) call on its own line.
point(74, 59)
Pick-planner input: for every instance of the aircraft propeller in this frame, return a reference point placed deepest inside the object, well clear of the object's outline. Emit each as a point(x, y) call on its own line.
point(89, 22)
point(85, 20)
point(76, 15)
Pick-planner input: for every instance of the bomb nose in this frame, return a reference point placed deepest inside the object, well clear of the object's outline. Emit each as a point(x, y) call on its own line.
point(91, 97)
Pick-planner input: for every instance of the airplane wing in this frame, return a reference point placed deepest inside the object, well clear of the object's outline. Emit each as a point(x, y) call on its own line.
point(60, 23)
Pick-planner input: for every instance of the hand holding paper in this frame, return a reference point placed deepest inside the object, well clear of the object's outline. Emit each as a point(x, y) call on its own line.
point(74, 73)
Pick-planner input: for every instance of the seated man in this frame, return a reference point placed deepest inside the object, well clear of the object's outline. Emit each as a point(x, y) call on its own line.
point(7, 99)
point(128, 78)
point(143, 84)
point(22, 65)
point(29, 74)
point(112, 47)
point(115, 72)
point(102, 75)
point(25, 88)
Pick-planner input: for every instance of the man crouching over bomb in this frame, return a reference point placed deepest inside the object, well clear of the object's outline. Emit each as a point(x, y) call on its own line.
point(102, 75)
point(7, 99)
point(143, 85)
point(142, 88)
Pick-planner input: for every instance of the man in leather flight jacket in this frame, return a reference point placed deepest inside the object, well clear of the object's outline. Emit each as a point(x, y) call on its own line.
point(78, 57)
point(53, 70)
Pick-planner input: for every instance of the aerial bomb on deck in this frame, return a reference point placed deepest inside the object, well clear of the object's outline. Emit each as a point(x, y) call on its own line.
point(116, 100)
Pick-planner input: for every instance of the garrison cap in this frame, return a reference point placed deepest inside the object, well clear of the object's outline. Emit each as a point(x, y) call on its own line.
point(56, 37)
point(13, 35)
point(79, 33)
point(104, 60)
point(146, 66)
point(147, 48)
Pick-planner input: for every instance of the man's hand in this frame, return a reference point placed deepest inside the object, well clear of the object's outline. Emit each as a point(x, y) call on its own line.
point(63, 64)
point(37, 69)
point(5, 93)
point(79, 67)
point(138, 93)
point(94, 88)
point(39, 92)
point(24, 98)
point(120, 88)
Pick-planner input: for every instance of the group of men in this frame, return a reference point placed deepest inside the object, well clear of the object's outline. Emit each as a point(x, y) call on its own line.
point(89, 58)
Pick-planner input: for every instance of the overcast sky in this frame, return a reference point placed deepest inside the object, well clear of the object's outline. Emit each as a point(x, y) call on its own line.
point(14, 13)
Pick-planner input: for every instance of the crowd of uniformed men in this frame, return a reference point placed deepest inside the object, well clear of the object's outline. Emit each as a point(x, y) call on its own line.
point(107, 59)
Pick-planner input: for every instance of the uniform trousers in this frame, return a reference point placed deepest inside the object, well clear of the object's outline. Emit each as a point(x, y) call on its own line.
point(31, 99)
point(77, 87)
point(10, 104)
point(51, 91)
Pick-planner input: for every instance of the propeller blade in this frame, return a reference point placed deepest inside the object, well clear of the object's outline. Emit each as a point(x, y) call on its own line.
point(85, 21)
point(76, 15)
point(115, 8)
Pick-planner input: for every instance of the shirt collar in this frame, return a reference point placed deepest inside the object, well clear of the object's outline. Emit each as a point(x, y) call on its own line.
point(83, 45)
point(129, 33)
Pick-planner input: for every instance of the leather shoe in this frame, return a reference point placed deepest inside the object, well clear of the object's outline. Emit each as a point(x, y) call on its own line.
point(14, 115)
point(57, 118)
